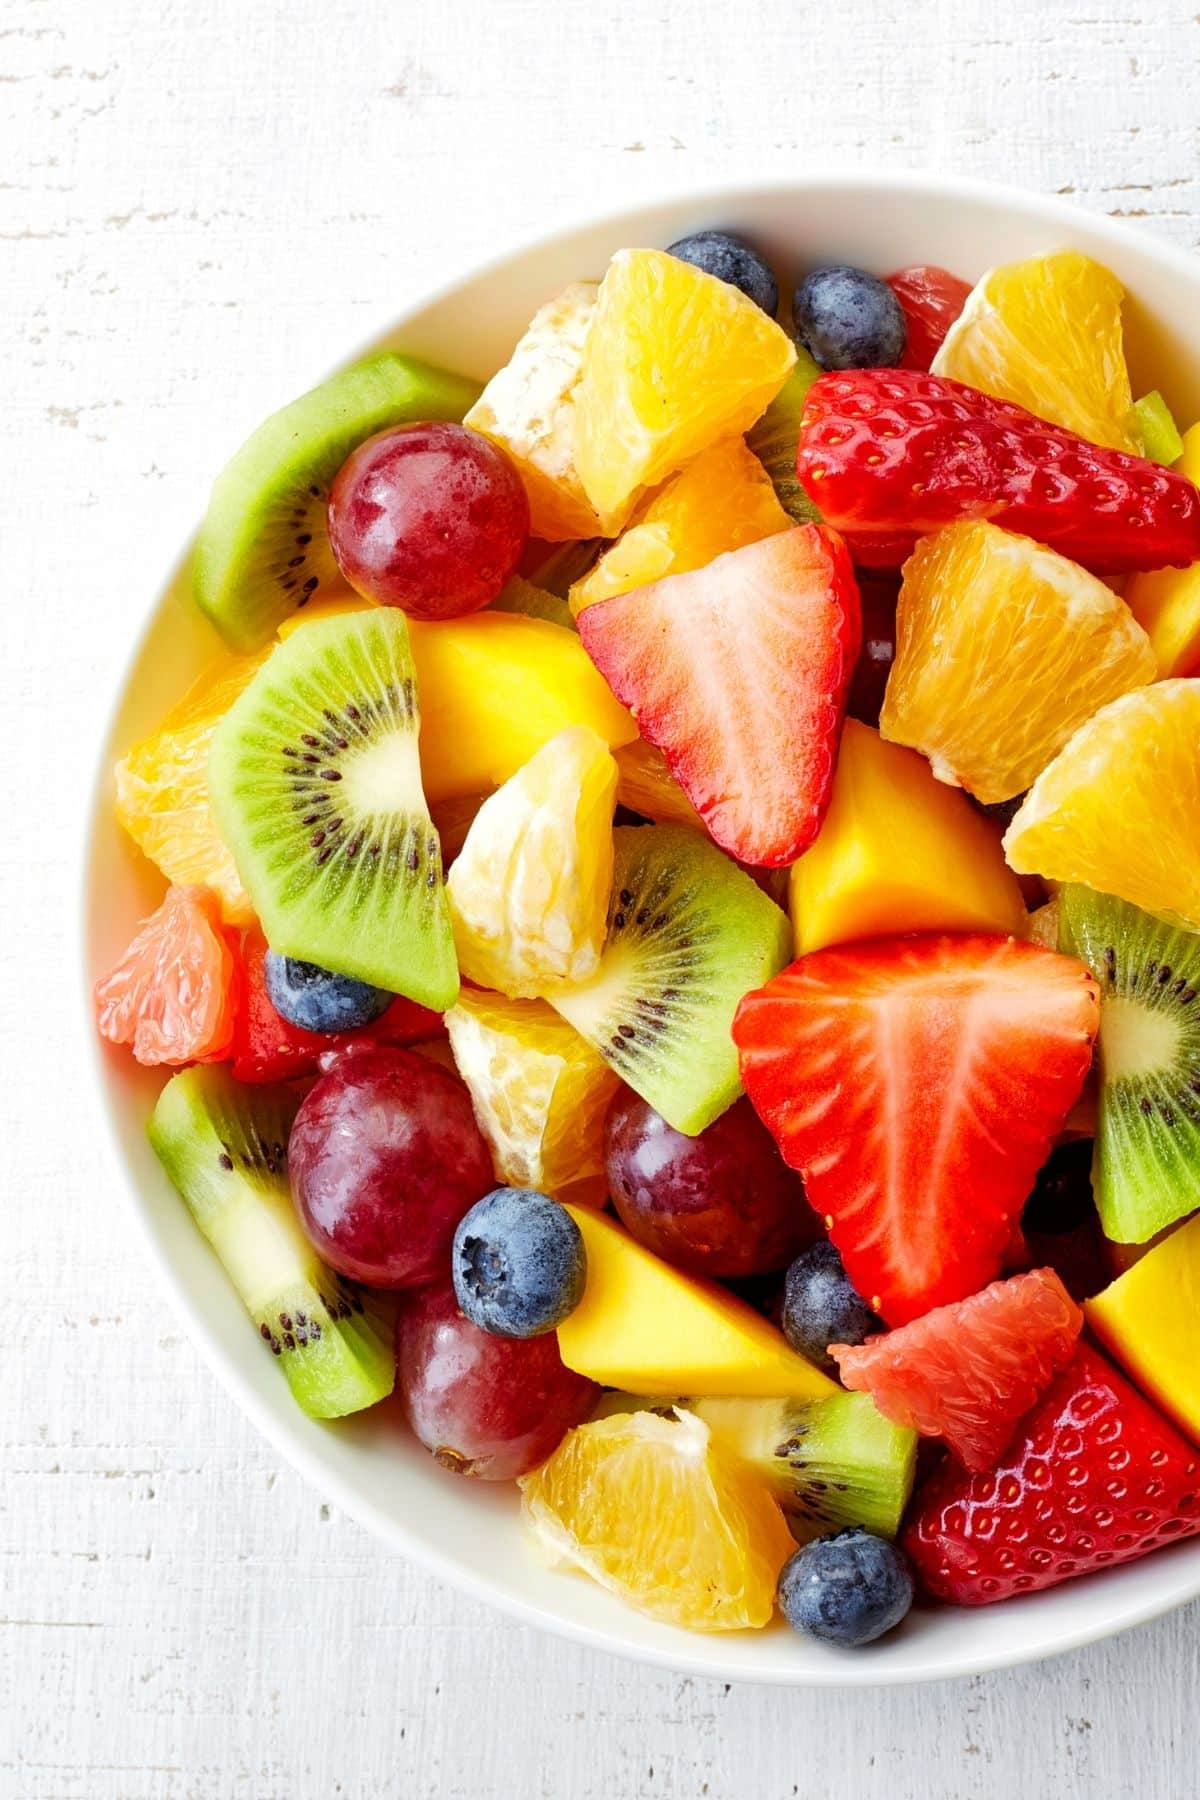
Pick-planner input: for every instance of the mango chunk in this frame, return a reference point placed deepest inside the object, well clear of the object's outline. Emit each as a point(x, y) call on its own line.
point(1150, 1320)
point(898, 851)
point(1166, 602)
point(648, 1328)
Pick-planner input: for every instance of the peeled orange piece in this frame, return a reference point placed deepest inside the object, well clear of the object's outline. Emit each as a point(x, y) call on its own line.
point(540, 1094)
point(162, 789)
point(172, 997)
point(1119, 808)
point(1046, 333)
point(650, 1508)
point(1002, 649)
point(529, 889)
point(646, 785)
point(720, 501)
point(674, 360)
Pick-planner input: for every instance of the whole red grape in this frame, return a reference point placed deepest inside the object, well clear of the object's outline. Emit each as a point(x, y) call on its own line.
point(931, 299)
point(724, 1203)
point(487, 1406)
point(430, 518)
point(385, 1157)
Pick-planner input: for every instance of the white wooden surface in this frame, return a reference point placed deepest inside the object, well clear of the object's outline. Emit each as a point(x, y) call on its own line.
point(201, 206)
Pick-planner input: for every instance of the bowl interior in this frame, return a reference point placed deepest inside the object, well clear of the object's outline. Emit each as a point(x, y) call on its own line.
point(469, 1532)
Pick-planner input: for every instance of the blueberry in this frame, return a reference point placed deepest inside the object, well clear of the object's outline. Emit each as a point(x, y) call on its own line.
point(848, 319)
point(519, 1263)
point(316, 1000)
point(1061, 1200)
point(846, 1589)
point(733, 260)
point(821, 1308)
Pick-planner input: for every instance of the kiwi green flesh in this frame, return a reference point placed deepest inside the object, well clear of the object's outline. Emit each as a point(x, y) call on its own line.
point(315, 782)
point(830, 1463)
point(264, 549)
point(688, 935)
point(521, 596)
point(1146, 1167)
point(775, 436)
point(224, 1147)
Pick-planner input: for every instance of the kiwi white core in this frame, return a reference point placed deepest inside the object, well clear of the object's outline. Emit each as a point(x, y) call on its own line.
point(1137, 1040)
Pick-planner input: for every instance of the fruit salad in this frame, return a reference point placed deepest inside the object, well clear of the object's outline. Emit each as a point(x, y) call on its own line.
point(680, 951)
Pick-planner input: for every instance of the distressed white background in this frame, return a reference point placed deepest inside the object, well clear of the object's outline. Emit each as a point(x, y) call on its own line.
point(201, 207)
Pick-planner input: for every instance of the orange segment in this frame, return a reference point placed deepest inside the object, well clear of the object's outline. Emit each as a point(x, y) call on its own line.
point(1046, 333)
point(646, 785)
point(173, 995)
point(1002, 648)
point(1166, 602)
point(674, 360)
point(1119, 808)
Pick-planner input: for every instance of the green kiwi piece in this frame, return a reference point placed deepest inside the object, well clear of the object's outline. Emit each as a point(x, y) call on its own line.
point(775, 436)
point(829, 1463)
point(688, 934)
point(224, 1146)
point(1146, 1166)
point(565, 564)
point(521, 596)
point(315, 782)
point(264, 549)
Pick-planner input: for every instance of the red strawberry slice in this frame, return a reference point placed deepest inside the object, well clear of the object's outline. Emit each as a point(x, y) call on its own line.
point(917, 1084)
point(738, 672)
point(968, 1372)
point(931, 299)
point(889, 454)
point(1095, 1477)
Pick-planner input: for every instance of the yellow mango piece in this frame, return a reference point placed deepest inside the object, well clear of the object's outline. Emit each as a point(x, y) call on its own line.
point(1166, 602)
point(493, 688)
point(898, 851)
point(1150, 1320)
point(331, 607)
point(674, 361)
point(650, 1329)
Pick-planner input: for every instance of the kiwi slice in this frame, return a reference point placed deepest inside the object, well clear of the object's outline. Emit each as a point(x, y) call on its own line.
point(224, 1146)
point(830, 1463)
point(315, 782)
point(775, 437)
point(688, 934)
point(1146, 1166)
point(263, 549)
point(521, 596)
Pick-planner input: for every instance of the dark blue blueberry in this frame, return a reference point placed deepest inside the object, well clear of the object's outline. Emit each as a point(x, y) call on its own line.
point(846, 1589)
point(821, 1308)
point(519, 1263)
point(733, 260)
point(847, 319)
point(316, 1000)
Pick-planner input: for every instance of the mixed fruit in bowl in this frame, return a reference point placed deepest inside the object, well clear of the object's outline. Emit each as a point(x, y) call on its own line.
point(682, 947)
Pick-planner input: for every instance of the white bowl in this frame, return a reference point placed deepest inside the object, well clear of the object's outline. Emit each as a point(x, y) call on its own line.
point(468, 1532)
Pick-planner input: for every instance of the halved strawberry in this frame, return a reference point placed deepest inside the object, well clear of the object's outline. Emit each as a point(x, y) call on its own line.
point(738, 672)
point(890, 454)
point(917, 1084)
point(931, 299)
point(967, 1372)
point(1094, 1477)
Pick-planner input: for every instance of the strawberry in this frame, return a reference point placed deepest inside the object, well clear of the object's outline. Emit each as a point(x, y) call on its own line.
point(1094, 1477)
point(917, 1084)
point(931, 300)
point(890, 454)
point(738, 672)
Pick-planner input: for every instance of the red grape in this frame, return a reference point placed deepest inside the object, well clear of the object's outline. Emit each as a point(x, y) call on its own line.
point(487, 1406)
point(723, 1203)
point(431, 518)
point(385, 1157)
point(931, 299)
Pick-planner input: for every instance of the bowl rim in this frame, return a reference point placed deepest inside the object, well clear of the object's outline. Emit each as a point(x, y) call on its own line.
point(272, 1423)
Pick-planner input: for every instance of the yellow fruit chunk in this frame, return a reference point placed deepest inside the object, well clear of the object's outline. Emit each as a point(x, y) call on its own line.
point(529, 889)
point(528, 408)
point(331, 607)
point(1150, 1319)
point(540, 1094)
point(650, 1329)
point(162, 789)
point(646, 785)
point(898, 851)
point(1119, 808)
point(674, 360)
point(1046, 333)
point(649, 1507)
point(1002, 648)
point(494, 688)
point(1166, 602)
point(720, 501)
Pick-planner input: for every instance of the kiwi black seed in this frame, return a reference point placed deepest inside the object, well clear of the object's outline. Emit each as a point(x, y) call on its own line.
point(775, 437)
point(315, 781)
